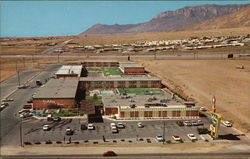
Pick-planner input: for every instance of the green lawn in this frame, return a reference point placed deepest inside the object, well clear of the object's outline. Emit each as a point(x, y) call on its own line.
point(140, 90)
point(64, 112)
point(106, 70)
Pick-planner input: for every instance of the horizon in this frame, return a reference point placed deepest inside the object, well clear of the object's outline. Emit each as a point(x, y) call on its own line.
point(64, 18)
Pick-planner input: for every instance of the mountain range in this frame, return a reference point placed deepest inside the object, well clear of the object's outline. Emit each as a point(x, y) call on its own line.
point(187, 17)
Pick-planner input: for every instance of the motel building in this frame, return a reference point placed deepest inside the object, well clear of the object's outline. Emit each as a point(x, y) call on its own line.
point(157, 106)
point(56, 94)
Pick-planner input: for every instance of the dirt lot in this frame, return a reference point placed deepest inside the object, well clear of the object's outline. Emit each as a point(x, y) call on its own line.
point(201, 79)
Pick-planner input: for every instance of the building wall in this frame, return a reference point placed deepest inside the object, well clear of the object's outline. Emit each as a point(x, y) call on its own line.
point(66, 75)
point(158, 113)
point(120, 84)
point(100, 64)
point(134, 71)
point(110, 111)
point(48, 103)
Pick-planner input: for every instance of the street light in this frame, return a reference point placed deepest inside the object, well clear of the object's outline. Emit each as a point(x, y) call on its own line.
point(21, 133)
point(163, 132)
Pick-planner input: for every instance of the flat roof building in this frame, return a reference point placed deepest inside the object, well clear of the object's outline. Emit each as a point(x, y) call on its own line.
point(131, 68)
point(69, 71)
point(147, 106)
point(120, 82)
point(56, 93)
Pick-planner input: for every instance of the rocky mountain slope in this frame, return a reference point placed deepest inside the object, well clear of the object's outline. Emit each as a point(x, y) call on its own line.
point(169, 20)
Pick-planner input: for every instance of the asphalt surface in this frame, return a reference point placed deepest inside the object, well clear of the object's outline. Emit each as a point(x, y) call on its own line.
point(58, 46)
point(132, 57)
point(142, 156)
point(9, 85)
point(32, 132)
point(8, 118)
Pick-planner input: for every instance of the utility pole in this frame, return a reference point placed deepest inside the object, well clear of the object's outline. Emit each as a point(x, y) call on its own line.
point(163, 132)
point(21, 133)
point(24, 62)
point(58, 57)
point(18, 77)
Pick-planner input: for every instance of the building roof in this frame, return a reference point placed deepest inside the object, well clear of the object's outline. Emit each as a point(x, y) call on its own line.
point(57, 89)
point(113, 100)
point(130, 65)
point(121, 78)
point(70, 69)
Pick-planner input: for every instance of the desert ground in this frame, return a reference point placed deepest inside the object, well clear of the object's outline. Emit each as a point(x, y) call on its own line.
point(200, 80)
point(193, 79)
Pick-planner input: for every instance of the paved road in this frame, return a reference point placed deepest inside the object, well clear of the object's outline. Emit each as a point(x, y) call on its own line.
point(132, 57)
point(60, 45)
point(8, 119)
point(8, 86)
point(232, 155)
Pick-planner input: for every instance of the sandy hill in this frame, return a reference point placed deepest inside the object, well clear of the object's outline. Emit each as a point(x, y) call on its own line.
point(236, 19)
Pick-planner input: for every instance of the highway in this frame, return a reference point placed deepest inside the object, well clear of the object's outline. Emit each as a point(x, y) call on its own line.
point(8, 119)
point(132, 57)
point(58, 46)
point(232, 155)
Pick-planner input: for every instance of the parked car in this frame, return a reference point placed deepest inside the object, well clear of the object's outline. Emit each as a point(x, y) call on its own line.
point(46, 128)
point(140, 125)
point(227, 123)
point(109, 153)
point(176, 137)
point(180, 123)
point(203, 109)
point(120, 125)
point(114, 130)
point(5, 104)
point(23, 86)
point(23, 111)
point(202, 130)
point(69, 131)
point(2, 107)
point(7, 100)
point(26, 115)
point(192, 137)
point(159, 138)
point(187, 123)
point(91, 127)
point(200, 122)
point(194, 123)
point(56, 118)
point(84, 127)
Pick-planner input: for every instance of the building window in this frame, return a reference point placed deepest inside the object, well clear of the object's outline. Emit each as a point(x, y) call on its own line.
point(122, 114)
point(164, 113)
point(148, 114)
point(176, 113)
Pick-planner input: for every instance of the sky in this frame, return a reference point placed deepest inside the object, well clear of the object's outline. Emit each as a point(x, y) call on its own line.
point(44, 18)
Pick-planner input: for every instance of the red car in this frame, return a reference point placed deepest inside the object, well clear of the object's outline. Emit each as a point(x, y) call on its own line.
point(109, 153)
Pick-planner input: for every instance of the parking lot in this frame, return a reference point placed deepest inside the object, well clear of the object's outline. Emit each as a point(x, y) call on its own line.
point(33, 132)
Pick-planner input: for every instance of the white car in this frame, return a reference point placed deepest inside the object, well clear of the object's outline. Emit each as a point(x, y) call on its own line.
point(46, 127)
point(203, 109)
point(7, 100)
point(114, 130)
point(187, 123)
point(120, 125)
point(176, 137)
point(159, 138)
point(91, 127)
point(227, 123)
point(191, 137)
point(140, 125)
